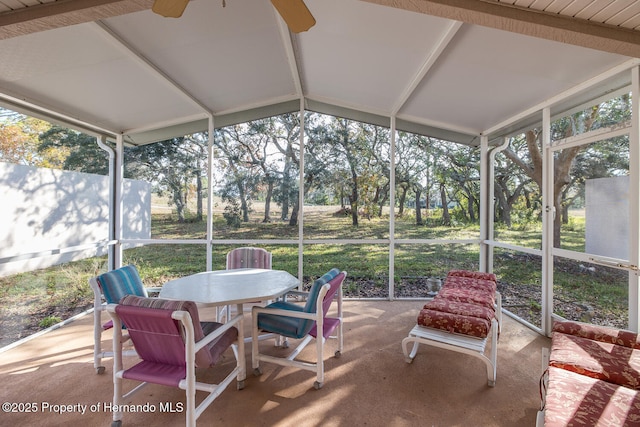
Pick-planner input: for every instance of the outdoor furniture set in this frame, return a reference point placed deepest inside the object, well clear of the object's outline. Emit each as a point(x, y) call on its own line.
point(167, 336)
point(170, 340)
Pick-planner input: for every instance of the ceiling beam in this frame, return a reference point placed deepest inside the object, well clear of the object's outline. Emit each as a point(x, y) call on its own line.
point(290, 51)
point(134, 54)
point(431, 59)
point(63, 13)
point(551, 26)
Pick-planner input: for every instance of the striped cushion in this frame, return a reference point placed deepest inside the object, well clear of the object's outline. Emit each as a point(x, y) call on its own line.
point(248, 258)
point(123, 281)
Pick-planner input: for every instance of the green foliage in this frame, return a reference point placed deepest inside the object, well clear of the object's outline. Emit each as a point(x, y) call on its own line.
point(49, 321)
point(232, 213)
point(83, 152)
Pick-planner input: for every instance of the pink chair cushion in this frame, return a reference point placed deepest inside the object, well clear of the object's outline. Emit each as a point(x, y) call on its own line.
point(208, 355)
point(598, 333)
point(577, 400)
point(608, 362)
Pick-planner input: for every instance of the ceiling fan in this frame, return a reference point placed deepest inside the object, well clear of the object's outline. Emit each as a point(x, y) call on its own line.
point(294, 12)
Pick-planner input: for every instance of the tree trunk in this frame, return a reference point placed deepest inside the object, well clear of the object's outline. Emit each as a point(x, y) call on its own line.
point(470, 208)
point(178, 201)
point(285, 185)
point(418, 210)
point(293, 221)
point(402, 199)
point(503, 209)
point(446, 218)
point(267, 202)
point(354, 198)
point(199, 209)
point(243, 203)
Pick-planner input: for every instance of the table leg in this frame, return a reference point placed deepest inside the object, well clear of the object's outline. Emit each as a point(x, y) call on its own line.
point(242, 375)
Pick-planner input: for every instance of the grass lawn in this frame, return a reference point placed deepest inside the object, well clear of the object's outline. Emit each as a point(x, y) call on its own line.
point(35, 300)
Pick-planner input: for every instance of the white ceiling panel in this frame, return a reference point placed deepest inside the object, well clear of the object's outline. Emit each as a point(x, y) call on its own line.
point(227, 57)
point(366, 55)
point(486, 76)
point(136, 73)
point(79, 72)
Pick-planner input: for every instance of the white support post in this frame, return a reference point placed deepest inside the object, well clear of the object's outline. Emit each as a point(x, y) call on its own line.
point(210, 195)
point(118, 187)
point(102, 143)
point(490, 201)
point(634, 202)
point(486, 201)
point(301, 193)
point(547, 222)
point(392, 204)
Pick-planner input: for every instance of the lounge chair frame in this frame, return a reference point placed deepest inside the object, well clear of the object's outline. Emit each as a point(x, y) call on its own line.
point(460, 343)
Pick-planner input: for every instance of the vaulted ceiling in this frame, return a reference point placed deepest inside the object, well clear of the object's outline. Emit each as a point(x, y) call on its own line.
point(451, 69)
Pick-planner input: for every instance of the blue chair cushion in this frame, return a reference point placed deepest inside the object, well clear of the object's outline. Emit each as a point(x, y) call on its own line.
point(282, 325)
point(123, 281)
point(290, 326)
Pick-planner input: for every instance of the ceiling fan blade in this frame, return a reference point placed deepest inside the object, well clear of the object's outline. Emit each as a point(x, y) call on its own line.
point(170, 8)
point(295, 13)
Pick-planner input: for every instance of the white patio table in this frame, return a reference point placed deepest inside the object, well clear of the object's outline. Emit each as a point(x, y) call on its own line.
point(231, 287)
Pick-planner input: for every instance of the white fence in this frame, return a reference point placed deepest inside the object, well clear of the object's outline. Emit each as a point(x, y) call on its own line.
point(47, 211)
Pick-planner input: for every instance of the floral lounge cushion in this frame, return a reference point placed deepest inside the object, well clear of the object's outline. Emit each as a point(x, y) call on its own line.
point(468, 295)
point(608, 362)
point(578, 400)
point(455, 307)
point(454, 323)
point(473, 275)
point(598, 333)
point(464, 305)
point(468, 282)
point(208, 355)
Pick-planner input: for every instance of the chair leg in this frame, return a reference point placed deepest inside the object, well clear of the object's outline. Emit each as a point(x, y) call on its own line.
point(338, 352)
point(255, 355)
point(97, 341)
point(319, 362)
point(117, 379)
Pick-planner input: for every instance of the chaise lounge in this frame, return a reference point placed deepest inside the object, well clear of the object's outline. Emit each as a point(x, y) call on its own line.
point(462, 317)
point(592, 377)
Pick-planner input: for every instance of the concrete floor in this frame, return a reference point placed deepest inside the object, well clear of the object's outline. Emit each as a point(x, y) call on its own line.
point(370, 385)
